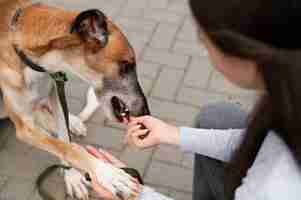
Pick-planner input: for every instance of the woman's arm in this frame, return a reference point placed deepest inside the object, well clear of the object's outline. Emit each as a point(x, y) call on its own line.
point(218, 144)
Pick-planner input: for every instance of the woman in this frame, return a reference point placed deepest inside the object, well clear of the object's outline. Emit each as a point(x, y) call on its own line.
point(254, 44)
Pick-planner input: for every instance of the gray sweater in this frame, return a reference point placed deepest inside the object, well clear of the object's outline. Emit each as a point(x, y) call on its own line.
point(273, 176)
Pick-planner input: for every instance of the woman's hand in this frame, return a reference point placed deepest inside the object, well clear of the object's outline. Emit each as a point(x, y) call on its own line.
point(158, 131)
point(106, 157)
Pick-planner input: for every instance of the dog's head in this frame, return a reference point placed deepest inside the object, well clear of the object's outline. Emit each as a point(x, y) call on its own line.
point(89, 45)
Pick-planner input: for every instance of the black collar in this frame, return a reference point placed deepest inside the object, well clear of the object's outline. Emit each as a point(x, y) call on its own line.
point(27, 61)
point(15, 19)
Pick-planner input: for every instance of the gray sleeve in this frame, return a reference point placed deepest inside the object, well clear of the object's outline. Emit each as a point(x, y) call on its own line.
point(150, 194)
point(218, 144)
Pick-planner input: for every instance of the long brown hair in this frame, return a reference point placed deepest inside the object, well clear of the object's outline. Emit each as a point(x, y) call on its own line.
point(267, 32)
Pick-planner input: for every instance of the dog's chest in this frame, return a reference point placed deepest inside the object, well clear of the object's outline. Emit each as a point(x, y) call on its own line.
point(38, 84)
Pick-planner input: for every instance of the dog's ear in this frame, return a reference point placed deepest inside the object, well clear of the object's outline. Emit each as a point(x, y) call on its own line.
point(92, 27)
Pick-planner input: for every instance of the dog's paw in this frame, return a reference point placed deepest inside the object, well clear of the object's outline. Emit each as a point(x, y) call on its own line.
point(76, 185)
point(77, 127)
point(117, 181)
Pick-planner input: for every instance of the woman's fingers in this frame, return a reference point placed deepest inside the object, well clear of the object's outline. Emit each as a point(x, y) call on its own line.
point(114, 161)
point(137, 141)
point(139, 133)
point(130, 131)
point(134, 128)
point(105, 156)
point(96, 153)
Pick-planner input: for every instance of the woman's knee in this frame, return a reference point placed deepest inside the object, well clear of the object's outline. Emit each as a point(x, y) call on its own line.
point(221, 116)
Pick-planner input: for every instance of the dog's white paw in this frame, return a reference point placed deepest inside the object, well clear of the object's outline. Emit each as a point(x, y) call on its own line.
point(116, 181)
point(77, 127)
point(76, 185)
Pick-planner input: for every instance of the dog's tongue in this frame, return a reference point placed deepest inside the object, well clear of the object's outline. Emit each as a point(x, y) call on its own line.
point(125, 117)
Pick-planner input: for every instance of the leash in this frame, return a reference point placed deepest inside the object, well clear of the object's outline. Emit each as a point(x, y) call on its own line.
point(59, 78)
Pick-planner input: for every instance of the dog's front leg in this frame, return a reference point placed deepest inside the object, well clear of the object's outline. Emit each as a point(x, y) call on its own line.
point(77, 125)
point(112, 178)
point(92, 104)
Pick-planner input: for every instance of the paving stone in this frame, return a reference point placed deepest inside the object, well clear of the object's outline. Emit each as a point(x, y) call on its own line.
point(75, 105)
point(201, 98)
point(138, 40)
point(104, 136)
point(169, 176)
point(17, 189)
point(138, 159)
point(131, 12)
point(172, 111)
point(167, 84)
point(169, 154)
point(190, 48)
point(198, 97)
point(77, 90)
point(146, 85)
point(178, 6)
point(181, 195)
point(198, 73)
point(134, 8)
point(3, 181)
point(148, 69)
point(134, 24)
point(137, 4)
point(189, 31)
point(165, 58)
point(14, 145)
point(97, 118)
point(164, 35)
point(56, 190)
point(116, 125)
point(161, 4)
point(163, 16)
point(25, 164)
point(188, 160)
point(7, 130)
point(109, 8)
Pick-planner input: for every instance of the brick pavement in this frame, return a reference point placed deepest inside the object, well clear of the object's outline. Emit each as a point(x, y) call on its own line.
point(177, 78)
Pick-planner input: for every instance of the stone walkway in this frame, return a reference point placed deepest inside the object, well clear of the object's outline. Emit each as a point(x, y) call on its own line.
point(175, 74)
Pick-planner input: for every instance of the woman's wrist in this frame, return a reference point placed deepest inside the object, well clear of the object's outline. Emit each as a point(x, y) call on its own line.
point(172, 137)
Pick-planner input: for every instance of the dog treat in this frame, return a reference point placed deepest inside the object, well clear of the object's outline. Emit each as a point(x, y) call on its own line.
point(123, 114)
point(142, 137)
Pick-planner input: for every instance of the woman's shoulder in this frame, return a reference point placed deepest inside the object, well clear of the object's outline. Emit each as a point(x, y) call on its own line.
point(278, 171)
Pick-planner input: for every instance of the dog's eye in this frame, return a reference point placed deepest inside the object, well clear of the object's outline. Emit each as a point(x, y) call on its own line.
point(126, 67)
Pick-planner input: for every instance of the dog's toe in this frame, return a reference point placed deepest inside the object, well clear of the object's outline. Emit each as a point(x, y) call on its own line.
point(77, 127)
point(76, 185)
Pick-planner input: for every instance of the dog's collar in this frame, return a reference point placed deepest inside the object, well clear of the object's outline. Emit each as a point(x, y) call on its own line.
point(15, 18)
point(27, 61)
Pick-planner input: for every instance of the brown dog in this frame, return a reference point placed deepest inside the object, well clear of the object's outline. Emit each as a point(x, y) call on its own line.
point(86, 44)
